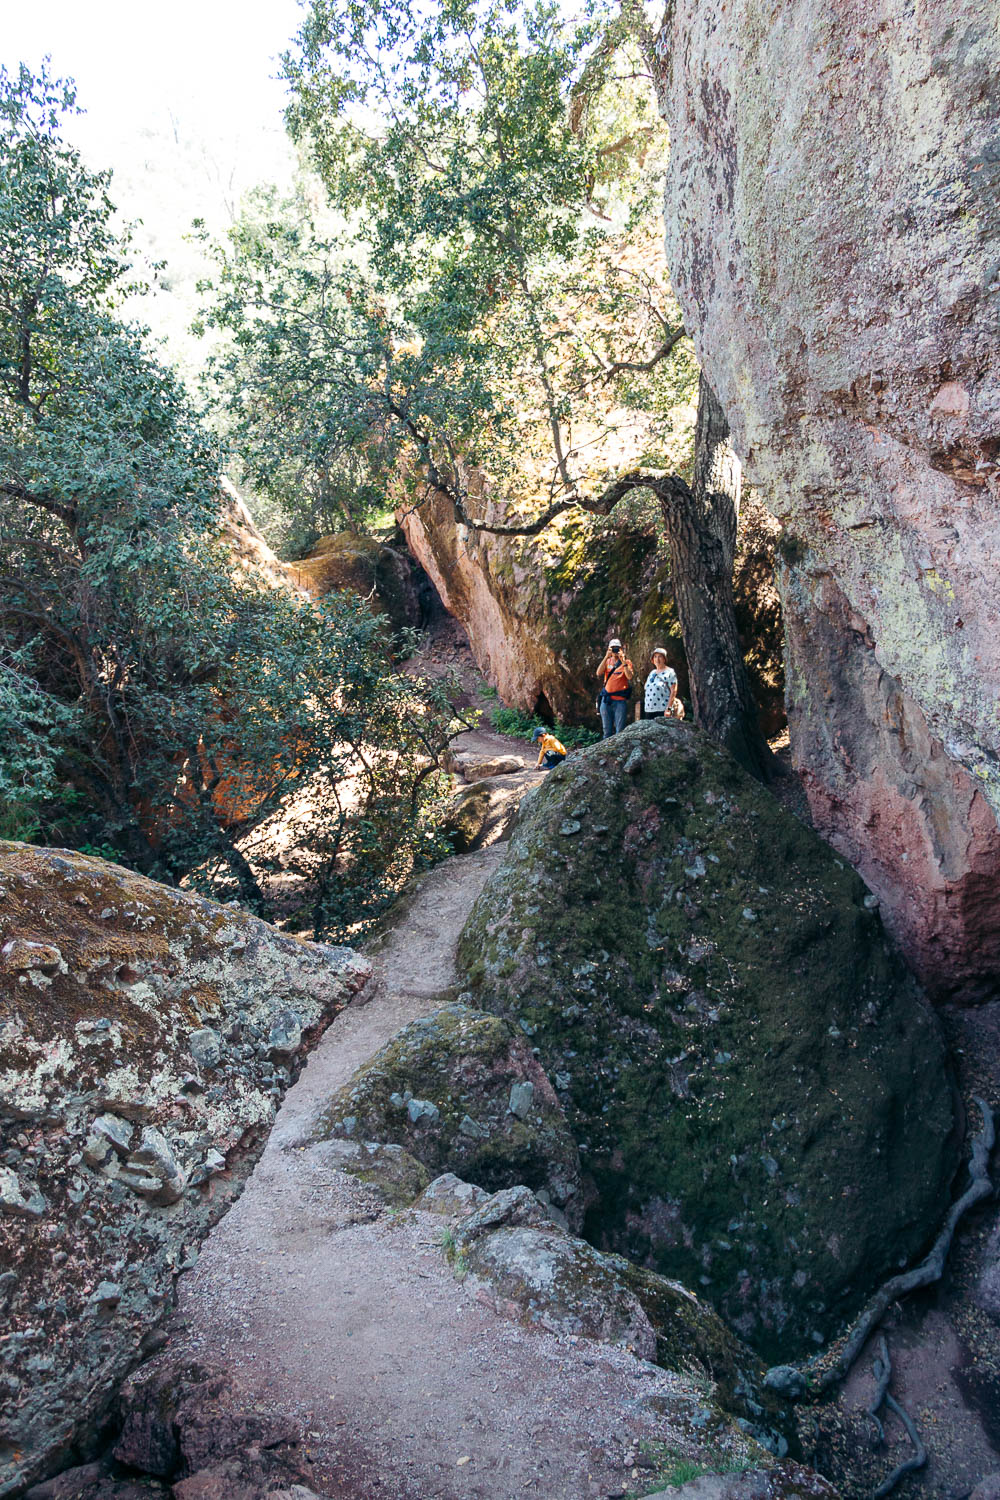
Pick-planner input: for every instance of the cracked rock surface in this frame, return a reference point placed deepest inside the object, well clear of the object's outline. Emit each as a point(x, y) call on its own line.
point(147, 1037)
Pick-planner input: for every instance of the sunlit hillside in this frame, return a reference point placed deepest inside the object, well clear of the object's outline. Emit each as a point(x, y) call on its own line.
point(167, 175)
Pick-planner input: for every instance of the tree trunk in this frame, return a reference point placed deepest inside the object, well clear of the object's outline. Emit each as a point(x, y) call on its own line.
point(701, 529)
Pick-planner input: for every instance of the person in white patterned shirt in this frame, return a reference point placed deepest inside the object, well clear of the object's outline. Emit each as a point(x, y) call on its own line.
point(660, 694)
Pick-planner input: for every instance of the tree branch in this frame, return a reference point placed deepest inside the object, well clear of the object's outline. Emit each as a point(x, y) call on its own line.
point(65, 513)
point(882, 1369)
point(669, 344)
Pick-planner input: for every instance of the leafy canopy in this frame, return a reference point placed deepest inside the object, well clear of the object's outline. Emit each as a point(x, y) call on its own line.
point(160, 702)
point(494, 315)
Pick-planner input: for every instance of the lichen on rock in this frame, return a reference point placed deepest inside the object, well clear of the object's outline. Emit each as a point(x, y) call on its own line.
point(512, 1255)
point(463, 1093)
point(147, 1037)
point(757, 1086)
point(834, 246)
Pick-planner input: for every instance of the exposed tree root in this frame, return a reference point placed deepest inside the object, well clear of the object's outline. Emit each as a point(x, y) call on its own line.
point(883, 1375)
point(882, 1369)
point(830, 1368)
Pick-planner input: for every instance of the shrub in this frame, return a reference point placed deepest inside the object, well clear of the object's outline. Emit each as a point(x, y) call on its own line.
point(518, 725)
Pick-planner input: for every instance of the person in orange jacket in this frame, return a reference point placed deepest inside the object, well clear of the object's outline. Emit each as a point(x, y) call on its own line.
point(615, 676)
point(551, 751)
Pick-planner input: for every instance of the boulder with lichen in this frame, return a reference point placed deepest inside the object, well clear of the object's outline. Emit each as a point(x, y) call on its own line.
point(147, 1038)
point(463, 1092)
point(757, 1085)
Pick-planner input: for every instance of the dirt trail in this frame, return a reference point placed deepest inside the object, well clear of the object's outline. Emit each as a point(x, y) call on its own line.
point(414, 963)
point(331, 1310)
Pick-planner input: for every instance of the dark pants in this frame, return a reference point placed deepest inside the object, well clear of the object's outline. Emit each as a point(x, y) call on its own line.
point(614, 712)
point(552, 758)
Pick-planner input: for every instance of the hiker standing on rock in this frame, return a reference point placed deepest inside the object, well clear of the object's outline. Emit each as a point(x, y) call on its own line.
point(615, 676)
point(660, 694)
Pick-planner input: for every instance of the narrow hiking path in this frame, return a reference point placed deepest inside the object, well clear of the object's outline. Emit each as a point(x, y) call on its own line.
point(331, 1310)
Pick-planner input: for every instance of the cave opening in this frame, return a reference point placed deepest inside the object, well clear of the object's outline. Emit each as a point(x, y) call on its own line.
point(543, 709)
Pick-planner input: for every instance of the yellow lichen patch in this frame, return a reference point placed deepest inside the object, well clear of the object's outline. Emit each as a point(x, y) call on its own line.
point(942, 587)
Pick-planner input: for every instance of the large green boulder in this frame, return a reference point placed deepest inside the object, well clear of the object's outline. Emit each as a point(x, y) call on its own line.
point(757, 1085)
point(463, 1092)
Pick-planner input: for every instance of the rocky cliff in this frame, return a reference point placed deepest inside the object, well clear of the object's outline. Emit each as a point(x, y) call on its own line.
point(538, 611)
point(146, 1039)
point(834, 243)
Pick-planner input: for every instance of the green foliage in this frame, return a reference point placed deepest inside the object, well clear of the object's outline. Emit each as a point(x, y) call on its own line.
point(519, 725)
point(499, 285)
point(670, 1469)
point(157, 701)
point(680, 1473)
point(30, 726)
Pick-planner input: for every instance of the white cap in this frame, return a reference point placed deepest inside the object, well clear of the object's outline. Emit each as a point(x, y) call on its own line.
point(614, 641)
point(658, 651)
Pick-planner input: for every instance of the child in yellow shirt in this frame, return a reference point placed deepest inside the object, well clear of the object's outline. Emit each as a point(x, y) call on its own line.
point(551, 752)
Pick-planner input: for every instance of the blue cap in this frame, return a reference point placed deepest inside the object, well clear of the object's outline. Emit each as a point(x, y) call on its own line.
point(536, 734)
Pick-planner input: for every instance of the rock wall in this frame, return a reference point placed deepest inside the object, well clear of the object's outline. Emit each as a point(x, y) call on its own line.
point(538, 611)
point(147, 1038)
point(835, 245)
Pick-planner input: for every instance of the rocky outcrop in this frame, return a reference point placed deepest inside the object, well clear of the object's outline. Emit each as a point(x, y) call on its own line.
point(511, 1255)
point(834, 245)
point(538, 611)
point(146, 1039)
point(382, 575)
point(395, 1175)
point(178, 1437)
point(757, 1086)
point(462, 1092)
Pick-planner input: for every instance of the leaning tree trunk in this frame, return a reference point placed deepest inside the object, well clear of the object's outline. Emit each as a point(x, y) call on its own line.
point(701, 530)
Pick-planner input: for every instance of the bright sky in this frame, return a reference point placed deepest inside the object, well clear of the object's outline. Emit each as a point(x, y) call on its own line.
point(184, 104)
point(210, 61)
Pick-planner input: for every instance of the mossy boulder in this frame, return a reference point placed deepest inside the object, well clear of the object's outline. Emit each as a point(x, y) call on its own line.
point(394, 1174)
point(463, 1092)
point(757, 1085)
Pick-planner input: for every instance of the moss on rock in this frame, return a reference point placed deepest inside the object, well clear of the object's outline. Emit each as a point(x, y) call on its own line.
point(757, 1086)
point(396, 1175)
point(355, 563)
point(462, 1092)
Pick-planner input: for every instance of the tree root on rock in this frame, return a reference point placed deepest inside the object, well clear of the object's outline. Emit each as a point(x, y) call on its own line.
point(883, 1374)
point(830, 1368)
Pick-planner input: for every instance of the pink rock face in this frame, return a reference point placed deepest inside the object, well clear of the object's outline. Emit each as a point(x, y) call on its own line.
point(833, 232)
point(475, 580)
point(496, 587)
